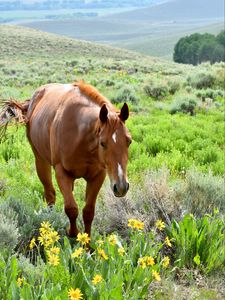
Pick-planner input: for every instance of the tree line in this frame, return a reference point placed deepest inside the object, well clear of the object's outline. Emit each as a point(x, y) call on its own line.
point(198, 48)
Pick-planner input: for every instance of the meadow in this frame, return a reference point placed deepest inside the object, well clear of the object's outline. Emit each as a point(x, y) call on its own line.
point(165, 239)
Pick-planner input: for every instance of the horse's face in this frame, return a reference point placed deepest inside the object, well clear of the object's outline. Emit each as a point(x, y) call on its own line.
point(114, 140)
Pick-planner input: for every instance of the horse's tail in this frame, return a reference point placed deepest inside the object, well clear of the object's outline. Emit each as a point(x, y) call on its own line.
point(12, 111)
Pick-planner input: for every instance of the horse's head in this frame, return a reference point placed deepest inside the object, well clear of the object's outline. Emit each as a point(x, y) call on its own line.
point(114, 140)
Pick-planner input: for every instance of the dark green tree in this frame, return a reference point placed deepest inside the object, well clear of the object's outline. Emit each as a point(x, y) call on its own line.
point(198, 48)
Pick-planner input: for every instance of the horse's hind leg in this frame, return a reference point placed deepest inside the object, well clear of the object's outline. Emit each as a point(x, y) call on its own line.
point(45, 175)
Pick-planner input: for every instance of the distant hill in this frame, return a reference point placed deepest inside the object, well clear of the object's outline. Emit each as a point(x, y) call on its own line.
point(176, 10)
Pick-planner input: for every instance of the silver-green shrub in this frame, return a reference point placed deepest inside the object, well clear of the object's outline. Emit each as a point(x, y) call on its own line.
point(9, 233)
point(184, 103)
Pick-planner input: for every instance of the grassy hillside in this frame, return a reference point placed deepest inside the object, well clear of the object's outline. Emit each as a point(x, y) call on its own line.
point(165, 240)
point(22, 42)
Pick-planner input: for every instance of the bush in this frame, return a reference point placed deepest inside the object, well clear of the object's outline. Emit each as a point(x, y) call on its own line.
point(148, 203)
point(201, 80)
point(29, 220)
point(9, 233)
point(174, 86)
point(156, 89)
point(185, 104)
point(209, 93)
point(125, 94)
point(201, 193)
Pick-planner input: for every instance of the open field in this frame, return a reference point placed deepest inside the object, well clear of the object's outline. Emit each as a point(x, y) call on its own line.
point(176, 169)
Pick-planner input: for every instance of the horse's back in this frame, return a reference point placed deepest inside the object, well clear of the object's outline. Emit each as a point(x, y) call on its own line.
point(57, 120)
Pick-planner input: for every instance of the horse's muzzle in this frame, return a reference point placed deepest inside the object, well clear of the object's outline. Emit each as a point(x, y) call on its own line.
point(120, 190)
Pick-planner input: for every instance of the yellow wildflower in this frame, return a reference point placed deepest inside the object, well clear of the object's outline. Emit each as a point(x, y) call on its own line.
point(135, 224)
point(77, 253)
point(112, 239)
point(45, 240)
point(131, 223)
point(54, 236)
point(168, 242)
point(32, 243)
point(121, 251)
point(146, 261)
point(102, 254)
point(156, 275)
point(20, 281)
point(139, 225)
point(97, 278)
point(100, 242)
point(53, 260)
point(166, 262)
point(160, 225)
point(75, 294)
point(53, 251)
point(142, 262)
point(83, 238)
point(45, 227)
point(150, 261)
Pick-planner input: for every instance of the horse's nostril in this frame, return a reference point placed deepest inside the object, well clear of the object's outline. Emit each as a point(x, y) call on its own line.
point(127, 186)
point(115, 190)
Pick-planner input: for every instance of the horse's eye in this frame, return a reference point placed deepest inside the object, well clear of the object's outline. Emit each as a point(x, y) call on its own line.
point(129, 141)
point(103, 144)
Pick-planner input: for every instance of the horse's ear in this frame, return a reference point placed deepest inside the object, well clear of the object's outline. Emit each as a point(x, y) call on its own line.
point(103, 114)
point(124, 112)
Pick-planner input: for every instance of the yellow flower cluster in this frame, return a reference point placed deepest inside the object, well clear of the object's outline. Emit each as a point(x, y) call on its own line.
point(97, 279)
point(48, 236)
point(146, 261)
point(160, 225)
point(83, 238)
point(75, 294)
point(135, 224)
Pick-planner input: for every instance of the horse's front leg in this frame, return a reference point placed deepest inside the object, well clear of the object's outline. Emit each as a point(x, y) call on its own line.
point(65, 182)
point(92, 189)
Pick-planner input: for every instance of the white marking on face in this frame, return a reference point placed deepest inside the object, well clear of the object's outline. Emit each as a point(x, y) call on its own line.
point(120, 173)
point(67, 87)
point(114, 137)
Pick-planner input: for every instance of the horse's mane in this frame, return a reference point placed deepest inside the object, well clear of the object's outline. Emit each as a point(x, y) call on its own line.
point(93, 94)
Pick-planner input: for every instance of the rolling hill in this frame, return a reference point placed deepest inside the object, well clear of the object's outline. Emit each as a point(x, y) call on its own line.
point(177, 10)
point(152, 31)
point(18, 41)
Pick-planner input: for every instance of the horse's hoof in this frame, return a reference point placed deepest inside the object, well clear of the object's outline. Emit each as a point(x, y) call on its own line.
point(72, 233)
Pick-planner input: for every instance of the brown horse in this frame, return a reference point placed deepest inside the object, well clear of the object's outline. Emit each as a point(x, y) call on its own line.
point(73, 128)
